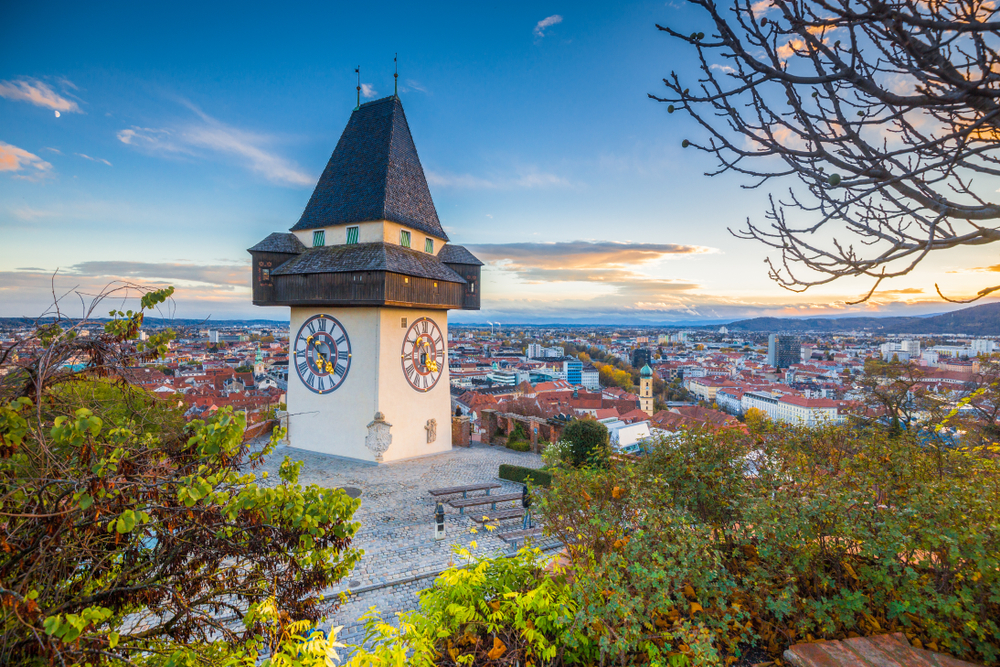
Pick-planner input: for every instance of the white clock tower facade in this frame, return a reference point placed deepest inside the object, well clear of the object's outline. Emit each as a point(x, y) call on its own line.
point(369, 277)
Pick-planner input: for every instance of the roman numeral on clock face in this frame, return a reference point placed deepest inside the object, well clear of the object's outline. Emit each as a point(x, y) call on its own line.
point(322, 354)
point(423, 355)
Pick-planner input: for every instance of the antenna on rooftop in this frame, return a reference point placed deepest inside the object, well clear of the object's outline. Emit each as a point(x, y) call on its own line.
point(357, 70)
point(395, 77)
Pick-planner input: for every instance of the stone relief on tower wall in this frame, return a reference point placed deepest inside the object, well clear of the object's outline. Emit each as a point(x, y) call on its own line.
point(378, 438)
point(432, 430)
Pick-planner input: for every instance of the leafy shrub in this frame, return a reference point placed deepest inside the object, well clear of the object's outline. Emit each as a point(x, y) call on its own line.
point(589, 441)
point(647, 582)
point(559, 453)
point(115, 510)
point(495, 608)
point(518, 432)
point(519, 445)
point(522, 475)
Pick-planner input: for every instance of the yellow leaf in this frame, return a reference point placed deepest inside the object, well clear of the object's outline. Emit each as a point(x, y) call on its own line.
point(695, 608)
point(497, 650)
point(688, 591)
point(617, 492)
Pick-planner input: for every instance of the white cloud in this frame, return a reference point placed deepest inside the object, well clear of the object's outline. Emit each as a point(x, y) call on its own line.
point(216, 137)
point(93, 159)
point(16, 159)
point(38, 93)
point(367, 91)
point(526, 179)
point(722, 68)
point(413, 85)
point(546, 23)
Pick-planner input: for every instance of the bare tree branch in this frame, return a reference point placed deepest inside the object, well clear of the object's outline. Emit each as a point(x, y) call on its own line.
point(886, 111)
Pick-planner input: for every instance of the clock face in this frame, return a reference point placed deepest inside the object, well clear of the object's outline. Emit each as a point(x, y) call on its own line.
point(424, 355)
point(322, 354)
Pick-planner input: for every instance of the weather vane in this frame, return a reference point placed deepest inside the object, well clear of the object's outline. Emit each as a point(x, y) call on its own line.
point(395, 76)
point(357, 70)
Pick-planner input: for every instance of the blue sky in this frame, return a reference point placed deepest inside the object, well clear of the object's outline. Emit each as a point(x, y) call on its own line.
point(188, 132)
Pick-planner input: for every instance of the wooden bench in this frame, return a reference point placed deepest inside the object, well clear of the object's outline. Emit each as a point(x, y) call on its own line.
point(447, 491)
point(496, 517)
point(515, 536)
point(461, 504)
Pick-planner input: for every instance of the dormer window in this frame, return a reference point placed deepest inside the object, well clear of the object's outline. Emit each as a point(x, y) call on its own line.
point(429, 246)
point(319, 238)
point(352, 235)
point(404, 238)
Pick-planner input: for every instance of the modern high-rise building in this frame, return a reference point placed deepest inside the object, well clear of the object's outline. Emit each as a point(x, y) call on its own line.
point(574, 371)
point(783, 351)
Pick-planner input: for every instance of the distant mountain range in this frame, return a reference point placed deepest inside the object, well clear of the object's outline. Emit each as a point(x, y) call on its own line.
point(975, 321)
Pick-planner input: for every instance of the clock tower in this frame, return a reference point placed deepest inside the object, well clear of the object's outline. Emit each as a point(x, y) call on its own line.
point(369, 276)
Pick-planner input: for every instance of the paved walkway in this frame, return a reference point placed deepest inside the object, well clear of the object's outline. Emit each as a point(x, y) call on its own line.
point(396, 515)
point(878, 651)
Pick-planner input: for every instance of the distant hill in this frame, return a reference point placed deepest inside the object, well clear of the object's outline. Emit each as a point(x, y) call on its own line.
point(975, 321)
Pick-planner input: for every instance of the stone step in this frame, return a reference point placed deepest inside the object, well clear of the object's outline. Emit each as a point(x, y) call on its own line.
point(876, 651)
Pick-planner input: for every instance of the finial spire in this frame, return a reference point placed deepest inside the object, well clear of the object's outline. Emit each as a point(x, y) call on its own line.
point(357, 70)
point(395, 77)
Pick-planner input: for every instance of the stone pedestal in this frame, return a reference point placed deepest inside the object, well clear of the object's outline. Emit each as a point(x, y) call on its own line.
point(461, 431)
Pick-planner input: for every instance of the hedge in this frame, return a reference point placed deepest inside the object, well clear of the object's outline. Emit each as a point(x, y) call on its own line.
point(522, 474)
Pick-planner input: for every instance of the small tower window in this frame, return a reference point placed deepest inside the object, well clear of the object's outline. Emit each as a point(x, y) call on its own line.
point(319, 238)
point(352, 234)
point(429, 246)
point(404, 238)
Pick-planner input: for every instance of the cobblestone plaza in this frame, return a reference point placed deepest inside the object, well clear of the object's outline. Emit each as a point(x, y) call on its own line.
point(396, 516)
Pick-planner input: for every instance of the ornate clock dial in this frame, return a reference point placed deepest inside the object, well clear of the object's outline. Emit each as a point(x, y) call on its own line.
point(322, 354)
point(424, 355)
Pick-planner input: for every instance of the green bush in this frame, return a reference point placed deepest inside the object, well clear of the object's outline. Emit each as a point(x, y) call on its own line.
point(495, 608)
point(557, 454)
point(518, 432)
point(519, 445)
point(521, 474)
point(795, 534)
point(590, 442)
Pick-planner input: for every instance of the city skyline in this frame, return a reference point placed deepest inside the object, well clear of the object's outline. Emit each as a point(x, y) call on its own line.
point(159, 158)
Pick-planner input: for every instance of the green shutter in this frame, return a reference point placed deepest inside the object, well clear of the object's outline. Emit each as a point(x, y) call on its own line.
point(404, 238)
point(352, 234)
point(319, 238)
point(429, 246)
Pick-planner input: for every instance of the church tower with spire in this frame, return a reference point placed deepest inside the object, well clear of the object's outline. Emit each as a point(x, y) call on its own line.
point(369, 275)
point(646, 390)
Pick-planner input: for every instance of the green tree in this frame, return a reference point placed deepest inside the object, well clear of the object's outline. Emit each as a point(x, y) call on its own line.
point(590, 442)
point(130, 536)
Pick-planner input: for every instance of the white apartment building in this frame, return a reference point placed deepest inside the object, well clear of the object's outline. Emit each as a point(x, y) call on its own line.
point(983, 346)
point(793, 409)
point(730, 399)
point(903, 350)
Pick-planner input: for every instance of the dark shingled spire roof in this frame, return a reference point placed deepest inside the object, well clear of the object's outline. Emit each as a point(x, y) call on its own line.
point(373, 174)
